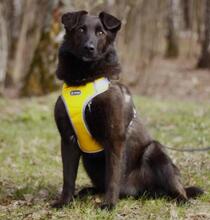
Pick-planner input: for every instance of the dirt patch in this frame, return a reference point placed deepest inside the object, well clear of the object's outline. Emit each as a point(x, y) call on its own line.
point(175, 79)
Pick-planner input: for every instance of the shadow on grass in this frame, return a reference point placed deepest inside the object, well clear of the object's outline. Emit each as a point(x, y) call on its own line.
point(30, 193)
point(43, 192)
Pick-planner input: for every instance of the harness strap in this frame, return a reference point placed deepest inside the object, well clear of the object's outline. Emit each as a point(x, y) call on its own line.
point(76, 99)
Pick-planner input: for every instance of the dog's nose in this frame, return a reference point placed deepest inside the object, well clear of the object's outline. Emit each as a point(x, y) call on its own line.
point(90, 48)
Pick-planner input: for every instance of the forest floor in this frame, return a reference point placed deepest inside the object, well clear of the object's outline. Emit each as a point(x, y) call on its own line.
point(175, 79)
point(31, 169)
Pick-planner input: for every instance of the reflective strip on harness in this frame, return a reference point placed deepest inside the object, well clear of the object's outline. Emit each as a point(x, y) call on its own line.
point(75, 99)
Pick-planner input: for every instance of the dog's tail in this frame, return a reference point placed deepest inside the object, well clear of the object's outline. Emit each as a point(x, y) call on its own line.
point(193, 191)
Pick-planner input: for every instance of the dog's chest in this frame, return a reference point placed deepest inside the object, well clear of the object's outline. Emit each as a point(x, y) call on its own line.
point(95, 116)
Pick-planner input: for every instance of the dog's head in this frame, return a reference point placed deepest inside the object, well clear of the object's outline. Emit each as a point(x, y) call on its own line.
point(89, 37)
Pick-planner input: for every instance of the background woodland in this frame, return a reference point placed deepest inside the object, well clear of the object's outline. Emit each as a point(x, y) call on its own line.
point(31, 32)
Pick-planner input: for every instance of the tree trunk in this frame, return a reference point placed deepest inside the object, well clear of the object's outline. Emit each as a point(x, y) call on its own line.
point(204, 60)
point(172, 50)
point(33, 21)
point(187, 14)
point(41, 76)
point(5, 10)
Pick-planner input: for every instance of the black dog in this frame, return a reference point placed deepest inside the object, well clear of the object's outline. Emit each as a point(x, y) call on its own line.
point(131, 163)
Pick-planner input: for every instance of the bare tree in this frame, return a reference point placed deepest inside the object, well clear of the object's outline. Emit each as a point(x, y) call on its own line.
point(28, 45)
point(186, 8)
point(204, 59)
point(40, 78)
point(172, 50)
point(33, 21)
point(5, 11)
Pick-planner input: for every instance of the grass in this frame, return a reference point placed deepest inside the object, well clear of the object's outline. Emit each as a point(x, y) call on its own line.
point(31, 170)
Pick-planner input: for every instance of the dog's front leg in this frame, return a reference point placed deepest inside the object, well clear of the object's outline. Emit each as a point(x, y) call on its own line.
point(114, 170)
point(70, 158)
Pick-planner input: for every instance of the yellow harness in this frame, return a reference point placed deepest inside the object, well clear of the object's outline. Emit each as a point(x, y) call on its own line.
point(76, 99)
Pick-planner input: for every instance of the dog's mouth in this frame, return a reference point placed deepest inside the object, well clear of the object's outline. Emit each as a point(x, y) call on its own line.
point(90, 57)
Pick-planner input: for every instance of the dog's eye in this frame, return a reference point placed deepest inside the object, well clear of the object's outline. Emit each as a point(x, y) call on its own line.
point(99, 33)
point(81, 30)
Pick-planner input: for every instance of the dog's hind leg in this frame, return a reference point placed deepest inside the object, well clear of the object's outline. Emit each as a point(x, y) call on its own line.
point(171, 182)
point(167, 177)
point(138, 182)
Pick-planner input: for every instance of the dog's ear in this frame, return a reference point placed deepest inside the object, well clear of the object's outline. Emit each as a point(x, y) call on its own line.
point(71, 19)
point(110, 22)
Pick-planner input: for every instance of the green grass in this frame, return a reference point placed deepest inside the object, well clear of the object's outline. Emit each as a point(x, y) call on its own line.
point(31, 170)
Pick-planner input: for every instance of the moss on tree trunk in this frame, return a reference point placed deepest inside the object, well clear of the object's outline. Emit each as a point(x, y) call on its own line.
point(41, 78)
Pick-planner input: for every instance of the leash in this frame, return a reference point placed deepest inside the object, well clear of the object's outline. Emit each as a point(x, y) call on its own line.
point(189, 149)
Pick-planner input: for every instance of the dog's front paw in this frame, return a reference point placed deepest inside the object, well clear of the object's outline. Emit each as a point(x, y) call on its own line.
point(107, 206)
point(60, 203)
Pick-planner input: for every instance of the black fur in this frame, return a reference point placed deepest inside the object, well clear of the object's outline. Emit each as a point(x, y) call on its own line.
point(132, 163)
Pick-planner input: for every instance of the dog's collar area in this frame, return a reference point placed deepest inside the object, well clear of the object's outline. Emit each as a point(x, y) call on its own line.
point(84, 81)
point(133, 117)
